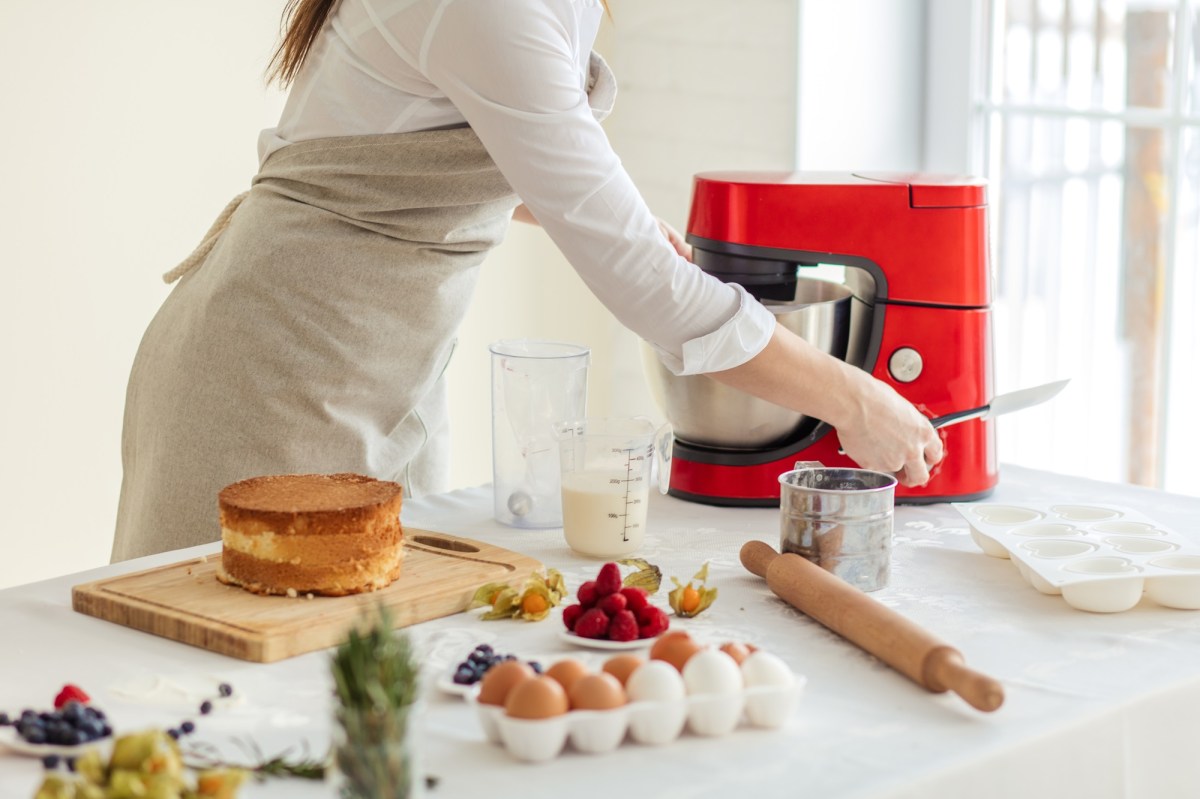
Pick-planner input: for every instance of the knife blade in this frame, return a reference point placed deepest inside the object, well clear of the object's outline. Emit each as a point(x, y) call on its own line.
point(1005, 403)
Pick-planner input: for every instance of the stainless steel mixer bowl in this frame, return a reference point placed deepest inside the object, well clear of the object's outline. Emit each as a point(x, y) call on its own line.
point(703, 411)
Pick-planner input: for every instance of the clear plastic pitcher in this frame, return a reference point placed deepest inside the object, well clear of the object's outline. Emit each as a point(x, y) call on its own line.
point(534, 385)
point(608, 466)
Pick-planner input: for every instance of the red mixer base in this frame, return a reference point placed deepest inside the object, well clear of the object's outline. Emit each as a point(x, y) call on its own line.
point(730, 479)
point(739, 502)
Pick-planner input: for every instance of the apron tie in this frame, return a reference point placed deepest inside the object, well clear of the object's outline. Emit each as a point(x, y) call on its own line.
point(210, 239)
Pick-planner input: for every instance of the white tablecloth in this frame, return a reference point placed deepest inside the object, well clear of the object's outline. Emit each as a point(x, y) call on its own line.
point(1097, 705)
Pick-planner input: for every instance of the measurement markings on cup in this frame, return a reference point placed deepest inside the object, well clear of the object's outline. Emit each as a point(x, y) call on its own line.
point(630, 459)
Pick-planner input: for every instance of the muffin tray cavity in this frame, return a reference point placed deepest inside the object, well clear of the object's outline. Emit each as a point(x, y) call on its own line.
point(1099, 558)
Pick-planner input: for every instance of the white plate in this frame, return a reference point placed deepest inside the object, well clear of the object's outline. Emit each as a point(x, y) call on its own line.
point(604, 643)
point(14, 742)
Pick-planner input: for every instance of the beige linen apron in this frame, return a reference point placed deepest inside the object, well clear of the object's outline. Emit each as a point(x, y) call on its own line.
point(313, 336)
point(310, 330)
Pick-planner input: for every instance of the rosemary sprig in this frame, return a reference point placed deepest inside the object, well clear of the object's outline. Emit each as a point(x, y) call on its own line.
point(376, 671)
point(375, 675)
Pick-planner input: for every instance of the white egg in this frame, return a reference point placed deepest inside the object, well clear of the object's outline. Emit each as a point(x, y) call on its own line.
point(711, 671)
point(767, 670)
point(654, 681)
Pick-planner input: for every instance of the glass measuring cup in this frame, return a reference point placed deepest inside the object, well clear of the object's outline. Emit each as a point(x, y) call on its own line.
point(608, 466)
point(534, 385)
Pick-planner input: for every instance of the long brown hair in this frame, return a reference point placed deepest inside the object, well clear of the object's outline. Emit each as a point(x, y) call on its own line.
point(301, 21)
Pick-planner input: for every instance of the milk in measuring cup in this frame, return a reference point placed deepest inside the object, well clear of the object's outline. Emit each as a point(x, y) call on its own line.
point(607, 468)
point(604, 516)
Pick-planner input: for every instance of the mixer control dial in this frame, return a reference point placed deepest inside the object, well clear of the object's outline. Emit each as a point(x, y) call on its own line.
point(905, 365)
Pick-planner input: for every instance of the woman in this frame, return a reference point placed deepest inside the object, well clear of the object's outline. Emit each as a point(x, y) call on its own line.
point(310, 330)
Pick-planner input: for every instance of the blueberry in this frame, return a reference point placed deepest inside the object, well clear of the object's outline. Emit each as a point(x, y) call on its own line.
point(73, 712)
point(34, 735)
point(537, 667)
point(77, 737)
point(50, 761)
point(93, 728)
point(70, 761)
point(174, 733)
point(28, 714)
point(107, 731)
point(225, 689)
point(205, 707)
point(5, 720)
point(187, 728)
point(484, 648)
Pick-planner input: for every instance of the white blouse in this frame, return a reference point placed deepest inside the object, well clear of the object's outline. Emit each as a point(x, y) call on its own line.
point(516, 71)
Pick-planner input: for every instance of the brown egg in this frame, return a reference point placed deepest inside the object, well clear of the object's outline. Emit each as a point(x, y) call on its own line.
point(736, 650)
point(622, 666)
point(498, 681)
point(567, 671)
point(675, 648)
point(597, 692)
point(538, 698)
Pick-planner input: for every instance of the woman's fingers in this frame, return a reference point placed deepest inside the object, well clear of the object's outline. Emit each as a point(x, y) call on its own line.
point(677, 241)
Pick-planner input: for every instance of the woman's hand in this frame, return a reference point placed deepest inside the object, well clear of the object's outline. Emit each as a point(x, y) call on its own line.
point(676, 241)
point(887, 434)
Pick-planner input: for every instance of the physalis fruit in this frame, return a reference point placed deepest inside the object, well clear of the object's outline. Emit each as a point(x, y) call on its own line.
point(690, 600)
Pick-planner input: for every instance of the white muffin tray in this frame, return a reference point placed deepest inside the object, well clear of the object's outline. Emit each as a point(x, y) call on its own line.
point(1099, 558)
point(645, 722)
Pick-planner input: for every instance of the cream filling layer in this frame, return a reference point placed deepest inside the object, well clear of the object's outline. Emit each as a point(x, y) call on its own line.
point(263, 546)
point(274, 548)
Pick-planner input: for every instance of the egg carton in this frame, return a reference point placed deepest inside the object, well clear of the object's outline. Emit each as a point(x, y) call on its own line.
point(1099, 558)
point(644, 722)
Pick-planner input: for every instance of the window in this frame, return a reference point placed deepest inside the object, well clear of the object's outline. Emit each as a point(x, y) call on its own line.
point(1087, 123)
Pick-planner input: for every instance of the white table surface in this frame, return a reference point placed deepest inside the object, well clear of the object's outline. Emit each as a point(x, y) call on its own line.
point(1097, 705)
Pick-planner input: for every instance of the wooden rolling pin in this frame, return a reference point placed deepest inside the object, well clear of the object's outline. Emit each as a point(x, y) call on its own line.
point(887, 635)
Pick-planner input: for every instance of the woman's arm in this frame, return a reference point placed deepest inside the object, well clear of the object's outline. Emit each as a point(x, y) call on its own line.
point(876, 427)
point(522, 214)
point(512, 72)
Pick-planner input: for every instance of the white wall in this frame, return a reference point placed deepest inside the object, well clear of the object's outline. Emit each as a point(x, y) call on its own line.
point(128, 125)
point(126, 128)
point(862, 79)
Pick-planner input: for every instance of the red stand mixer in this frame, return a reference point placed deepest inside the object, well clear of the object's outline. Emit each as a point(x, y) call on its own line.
point(912, 250)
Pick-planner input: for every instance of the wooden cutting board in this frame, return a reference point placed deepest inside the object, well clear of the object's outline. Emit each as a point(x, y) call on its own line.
point(185, 602)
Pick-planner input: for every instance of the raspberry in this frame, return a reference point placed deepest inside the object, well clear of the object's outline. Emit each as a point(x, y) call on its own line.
point(592, 624)
point(71, 693)
point(653, 622)
point(623, 627)
point(635, 598)
point(587, 594)
point(571, 614)
point(609, 579)
point(612, 604)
